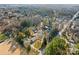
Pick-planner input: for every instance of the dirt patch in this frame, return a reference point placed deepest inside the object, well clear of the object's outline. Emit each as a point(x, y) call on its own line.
point(4, 49)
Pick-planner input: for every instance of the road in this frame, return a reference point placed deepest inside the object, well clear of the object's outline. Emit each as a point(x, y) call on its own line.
point(66, 25)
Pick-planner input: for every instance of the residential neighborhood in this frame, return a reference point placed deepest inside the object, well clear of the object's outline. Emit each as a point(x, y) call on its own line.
point(39, 29)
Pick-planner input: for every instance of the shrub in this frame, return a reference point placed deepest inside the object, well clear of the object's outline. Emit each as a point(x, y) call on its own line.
point(2, 37)
point(77, 45)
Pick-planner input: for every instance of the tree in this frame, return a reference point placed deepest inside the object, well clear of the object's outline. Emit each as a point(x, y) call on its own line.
point(57, 46)
point(53, 33)
point(26, 23)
